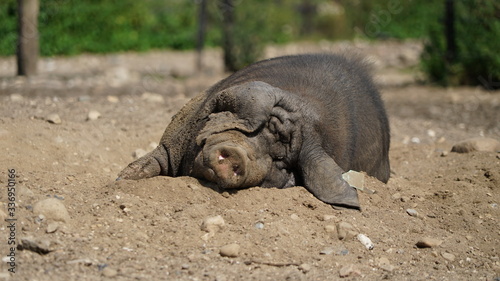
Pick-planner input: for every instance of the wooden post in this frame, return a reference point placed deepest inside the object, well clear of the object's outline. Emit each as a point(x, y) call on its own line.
point(449, 22)
point(227, 9)
point(200, 40)
point(27, 44)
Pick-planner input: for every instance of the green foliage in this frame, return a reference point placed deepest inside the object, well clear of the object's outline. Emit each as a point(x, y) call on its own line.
point(70, 27)
point(477, 61)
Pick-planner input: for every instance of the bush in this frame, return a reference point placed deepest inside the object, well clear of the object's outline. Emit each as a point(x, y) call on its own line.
point(477, 60)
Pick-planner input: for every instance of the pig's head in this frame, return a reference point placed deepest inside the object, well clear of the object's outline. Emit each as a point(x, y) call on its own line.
point(233, 160)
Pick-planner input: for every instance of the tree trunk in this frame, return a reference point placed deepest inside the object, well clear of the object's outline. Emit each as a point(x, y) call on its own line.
point(200, 40)
point(27, 44)
point(451, 46)
point(227, 9)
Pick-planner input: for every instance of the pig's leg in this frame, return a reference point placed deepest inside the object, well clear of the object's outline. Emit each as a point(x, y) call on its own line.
point(150, 165)
point(323, 177)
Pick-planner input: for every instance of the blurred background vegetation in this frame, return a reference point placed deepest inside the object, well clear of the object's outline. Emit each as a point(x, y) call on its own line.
point(70, 27)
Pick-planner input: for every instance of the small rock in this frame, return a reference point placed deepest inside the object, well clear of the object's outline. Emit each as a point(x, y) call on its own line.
point(54, 119)
point(83, 98)
point(477, 144)
point(412, 212)
point(93, 115)
point(344, 230)
point(52, 209)
point(305, 267)
point(330, 228)
point(231, 250)
point(213, 224)
point(16, 98)
point(152, 97)
point(448, 256)
point(327, 251)
point(185, 266)
point(52, 227)
point(113, 99)
point(259, 225)
point(396, 196)
point(385, 264)
point(138, 153)
point(405, 198)
point(355, 179)
point(365, 241)
point(294, 217)
point(428, 242)
point(387, 267)
point(348, 270)
point(327, 217)
point(109, 272)
point(35, 245)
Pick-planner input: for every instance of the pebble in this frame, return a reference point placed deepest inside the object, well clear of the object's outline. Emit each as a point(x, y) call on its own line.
point(347, 270)
point(138, 153)
point(153, 145)
point(330, 228)
point(259, 225)
point(231, 250)
point(448, 256)
point(327, 251)
point(365, 241)
point(113, 99)
point(294, 217)
point(305, 267)
point(213, 224)
point(355, 179)
point(93, 115)
point(35, 245)
point(396, 196)
point(54, 119)
point(52, 209)
point(412, 212)
point(385, 264)
point(52, 227)
point(477, 144)
point(428, 242)
point(327, 217)
point(109, 272)
point(345, 230)
point(16, 98)
point(152, 97)
point(83, 98)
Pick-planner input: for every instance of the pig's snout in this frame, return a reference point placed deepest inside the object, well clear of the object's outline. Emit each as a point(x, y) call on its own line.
point(229, 163)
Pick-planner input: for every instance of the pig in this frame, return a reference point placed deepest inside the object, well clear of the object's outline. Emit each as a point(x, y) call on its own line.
point(292, 120)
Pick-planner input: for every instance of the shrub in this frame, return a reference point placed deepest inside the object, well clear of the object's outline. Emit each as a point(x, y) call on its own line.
point(477, 60)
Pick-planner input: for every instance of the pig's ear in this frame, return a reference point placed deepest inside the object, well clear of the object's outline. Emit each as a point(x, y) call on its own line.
point(323, 177)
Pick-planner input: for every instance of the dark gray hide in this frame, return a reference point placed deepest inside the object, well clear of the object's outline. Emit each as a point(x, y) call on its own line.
point(295, 120)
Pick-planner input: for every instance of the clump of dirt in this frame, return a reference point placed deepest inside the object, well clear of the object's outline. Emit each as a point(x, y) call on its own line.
point(152, 228)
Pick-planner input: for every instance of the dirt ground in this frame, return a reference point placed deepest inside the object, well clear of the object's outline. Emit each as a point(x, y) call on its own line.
point(152, 229)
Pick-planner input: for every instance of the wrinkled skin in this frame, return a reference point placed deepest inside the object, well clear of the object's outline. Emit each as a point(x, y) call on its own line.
point(291, 120)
